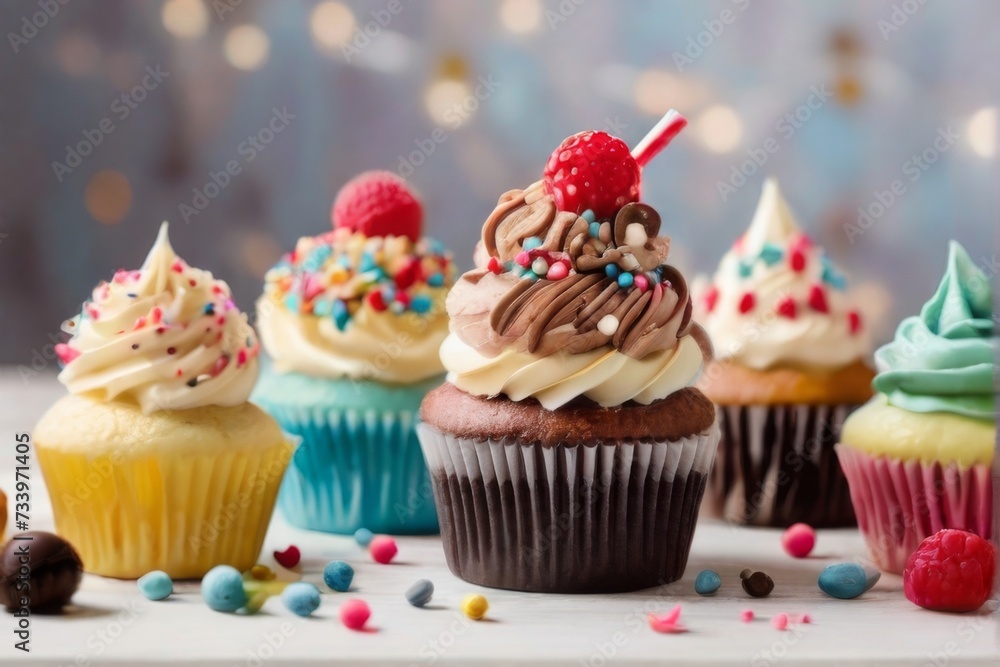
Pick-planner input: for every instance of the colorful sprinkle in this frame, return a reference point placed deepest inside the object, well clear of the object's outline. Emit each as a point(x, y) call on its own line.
point(540, 266)
point(625, 280)
point(338, 575)
point(707, 582)
point(798, 540)
point(288, 558)
point(531, 243)
point(435, 279)
point(744, 269)
point(797, 260)
point(301, 598)
point(608, 325)
point(421, 304)
point(363, 536)
point(589, 216)
point(523, 258)
point(475, 606)
point(668, 623)
point(262, 573)
point(354, 613)
point(66, 353)
point(786, 308)
point(594, 229)
point(711, 298)
point(222, 589)
point(155, 585)
point(854, 322)
point(747, 302)
point(558, 271)
point(641, 282)
point(771, 254)
point(746, 615)
point(383, 549)
point(340, 314)
point(779, 621)
point(494, 265)
point(817, 299)
point(420, 593)
point(612, 270)
point(375, 300)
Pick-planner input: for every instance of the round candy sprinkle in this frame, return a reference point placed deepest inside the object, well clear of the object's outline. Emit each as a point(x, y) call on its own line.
point(475, 606)
point(301, 598)
point(612, 270)
point(540, 266)
point(523, 259)
point(531, 243)
point(780, 621)
point(608, 325)
point(589, 216)
point(846, 581)
point(363, 536)
point(668, 623)
point(558, 271)
point(625, 280)
point(642, 282)
point(222, 589)
point(756, 584)
point(594, 228)
point(799, 540)
point(155, 585)
point(338, 575)
point(707, 582)
point(354, 613)
point(420, 593)
point(383, 549)
point(746, 615)
point(288, 558)
point(635, 235)
point(262, 573)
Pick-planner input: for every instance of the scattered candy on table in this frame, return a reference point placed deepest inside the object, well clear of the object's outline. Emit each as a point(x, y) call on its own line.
point(301, 598)
point(475, 606)
point(798, 540)
point(746, 615)
point(338, 575)
point(707, 582)
point(952, 570)
point(222, 589)
point(756, 584)
point(780, 621)
point(155, 585)
point(420, 593)
point(288, 558)
point(847, 581)
point(383, 549)
point(354, 613)
point(363, 536)
point(668, 623)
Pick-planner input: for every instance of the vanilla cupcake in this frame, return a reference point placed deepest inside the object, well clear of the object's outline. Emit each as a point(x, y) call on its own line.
point(156, 461)
point(919, 455)
point(791, 363)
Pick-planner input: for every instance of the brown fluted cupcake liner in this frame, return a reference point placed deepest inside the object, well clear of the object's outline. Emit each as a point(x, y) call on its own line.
point(568, 518)
point(776, 466)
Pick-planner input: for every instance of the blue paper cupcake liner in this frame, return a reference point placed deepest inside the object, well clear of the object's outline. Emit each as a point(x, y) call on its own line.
point(357, 467)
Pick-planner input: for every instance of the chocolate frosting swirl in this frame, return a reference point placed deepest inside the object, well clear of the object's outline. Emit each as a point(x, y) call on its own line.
point(545, 316)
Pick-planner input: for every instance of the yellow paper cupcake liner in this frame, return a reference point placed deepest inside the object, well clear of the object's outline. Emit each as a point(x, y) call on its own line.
point(180, 513)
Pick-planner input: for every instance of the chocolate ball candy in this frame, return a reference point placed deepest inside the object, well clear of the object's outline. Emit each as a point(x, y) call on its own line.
point(40, 571)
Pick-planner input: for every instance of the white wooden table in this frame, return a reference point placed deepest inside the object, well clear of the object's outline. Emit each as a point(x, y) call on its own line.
point(112, 624)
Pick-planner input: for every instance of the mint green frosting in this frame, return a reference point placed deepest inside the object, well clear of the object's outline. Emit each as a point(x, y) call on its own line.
point(942, 360)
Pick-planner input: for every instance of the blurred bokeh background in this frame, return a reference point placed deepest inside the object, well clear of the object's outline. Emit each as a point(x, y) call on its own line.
point(115, 115)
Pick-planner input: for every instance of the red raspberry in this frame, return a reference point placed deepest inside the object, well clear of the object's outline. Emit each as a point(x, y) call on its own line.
point(378, 203)
point(951, 570)
point(592, 170)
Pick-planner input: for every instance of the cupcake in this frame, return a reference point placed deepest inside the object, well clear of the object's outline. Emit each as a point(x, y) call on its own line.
point(791, 353)
point(156, 461)
point(918, 456)
point(352, 320)
point(568, 451)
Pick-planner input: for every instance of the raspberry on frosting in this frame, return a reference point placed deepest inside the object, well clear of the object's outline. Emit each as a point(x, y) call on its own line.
point(378, 203)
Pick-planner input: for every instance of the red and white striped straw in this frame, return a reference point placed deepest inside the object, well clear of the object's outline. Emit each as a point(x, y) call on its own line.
point(657, 139)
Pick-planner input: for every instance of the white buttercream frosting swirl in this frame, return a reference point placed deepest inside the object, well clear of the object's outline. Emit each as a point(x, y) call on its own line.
point(167, 336)
point(777, 300)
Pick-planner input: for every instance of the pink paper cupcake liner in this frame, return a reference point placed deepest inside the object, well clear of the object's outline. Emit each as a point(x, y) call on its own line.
point(901, 503)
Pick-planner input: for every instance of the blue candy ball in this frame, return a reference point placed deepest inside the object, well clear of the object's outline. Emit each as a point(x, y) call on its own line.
point(338, 575)
point(302, 599)
point(155, 585)
point(846, 581)
point(707, 582)
point(363, 536)
point(222, 589)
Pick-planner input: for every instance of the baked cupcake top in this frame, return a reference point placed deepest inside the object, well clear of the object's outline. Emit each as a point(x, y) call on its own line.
point(576, 298)
point(167, 336)
point(778, 301)
point(366, 299)
point(942, 359)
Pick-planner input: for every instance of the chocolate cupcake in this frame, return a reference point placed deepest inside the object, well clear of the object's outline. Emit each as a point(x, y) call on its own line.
point(568, 450)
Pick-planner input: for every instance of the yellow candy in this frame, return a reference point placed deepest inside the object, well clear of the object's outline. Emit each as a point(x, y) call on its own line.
point(475, 606)
point(261, 573)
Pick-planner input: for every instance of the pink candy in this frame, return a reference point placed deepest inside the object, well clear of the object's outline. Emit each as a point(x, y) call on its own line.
point(354, 613)
point(746, 615)
point(667, 623)
point(799, 540)
point(557, 271)
point(641, 282)
point(780, 621)
point(383, 549)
